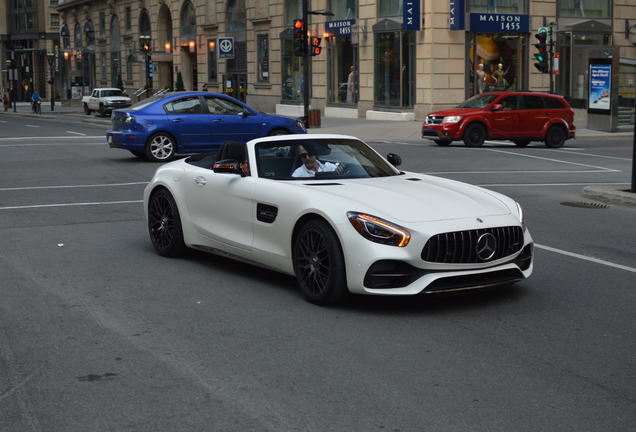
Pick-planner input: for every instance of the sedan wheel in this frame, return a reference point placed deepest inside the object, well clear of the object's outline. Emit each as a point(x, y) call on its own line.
point(160, 148)
point(164, 224)
point(319, 263)
point(277, 132)
point(555, 137)
point(474, 135)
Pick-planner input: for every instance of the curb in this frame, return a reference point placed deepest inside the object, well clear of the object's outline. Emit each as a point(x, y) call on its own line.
point(611, 194)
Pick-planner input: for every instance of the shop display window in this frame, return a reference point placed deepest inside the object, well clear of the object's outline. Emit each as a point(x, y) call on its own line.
point(584, 8)
point(496, 62)
point(498, 6)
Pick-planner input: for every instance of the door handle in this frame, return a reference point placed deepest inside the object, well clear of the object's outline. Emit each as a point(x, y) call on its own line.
point(201, 181)
point(178, 120)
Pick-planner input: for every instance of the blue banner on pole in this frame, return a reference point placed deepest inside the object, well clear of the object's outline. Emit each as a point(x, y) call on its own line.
point(499, 23)
point(411, 15)
point(456, 15)
point(339, 27)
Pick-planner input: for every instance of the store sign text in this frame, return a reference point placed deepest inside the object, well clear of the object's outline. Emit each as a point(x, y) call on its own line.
point(486, 22)
point(411, 15)
point(456, 15)
point(340, 27)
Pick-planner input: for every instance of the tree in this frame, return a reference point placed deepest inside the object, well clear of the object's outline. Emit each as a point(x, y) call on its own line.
point(179, 84)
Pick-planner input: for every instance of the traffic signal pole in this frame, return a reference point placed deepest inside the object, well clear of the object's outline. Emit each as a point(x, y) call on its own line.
point(305, 6)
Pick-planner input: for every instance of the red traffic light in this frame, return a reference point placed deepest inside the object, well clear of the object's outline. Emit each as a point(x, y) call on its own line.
point(298, 24)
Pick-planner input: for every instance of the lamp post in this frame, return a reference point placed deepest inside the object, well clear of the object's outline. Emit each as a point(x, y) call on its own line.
point(51, 58)
point(13, 80)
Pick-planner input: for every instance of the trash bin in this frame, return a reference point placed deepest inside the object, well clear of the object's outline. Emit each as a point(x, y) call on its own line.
point(314, 118)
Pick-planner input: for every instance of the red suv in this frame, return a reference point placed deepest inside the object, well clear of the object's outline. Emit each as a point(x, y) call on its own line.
point(518, 116)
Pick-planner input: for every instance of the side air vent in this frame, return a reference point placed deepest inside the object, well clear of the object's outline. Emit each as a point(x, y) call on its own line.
point(413, 179)
point(266, 213)
point(323, 184)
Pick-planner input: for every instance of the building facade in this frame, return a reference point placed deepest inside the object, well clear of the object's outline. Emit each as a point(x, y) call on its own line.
point(380, 58)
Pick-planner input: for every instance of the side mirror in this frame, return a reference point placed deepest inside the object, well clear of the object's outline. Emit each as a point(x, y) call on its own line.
point(245, 113)
point(227, 166)
point(394, 159)
point(497, 107)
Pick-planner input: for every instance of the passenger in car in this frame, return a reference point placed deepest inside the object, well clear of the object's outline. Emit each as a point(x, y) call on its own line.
point(311, 165)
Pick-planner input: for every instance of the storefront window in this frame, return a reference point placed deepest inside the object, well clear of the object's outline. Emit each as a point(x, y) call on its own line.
point(498, 6)
point(387, 8)
point(115, 59)
point(496, 62)
point(394, 69)
point(292, 75)
point(584, 8)
point(343, 73)
point(343, 9)
point(212, 60)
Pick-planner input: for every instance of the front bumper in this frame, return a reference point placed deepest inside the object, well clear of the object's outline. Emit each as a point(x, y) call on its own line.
point(450, 131)
point(126, 140)
point(389, 270)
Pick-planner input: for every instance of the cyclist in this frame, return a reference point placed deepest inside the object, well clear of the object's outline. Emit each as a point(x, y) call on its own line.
point(36, 101)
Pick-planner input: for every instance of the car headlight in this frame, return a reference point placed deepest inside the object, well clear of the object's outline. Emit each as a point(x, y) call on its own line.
point(379, 230)
point(451, 119)
point(521, 219)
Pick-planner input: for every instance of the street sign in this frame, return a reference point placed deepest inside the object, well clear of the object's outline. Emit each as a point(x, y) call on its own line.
point(226, 47)
point(542, 30)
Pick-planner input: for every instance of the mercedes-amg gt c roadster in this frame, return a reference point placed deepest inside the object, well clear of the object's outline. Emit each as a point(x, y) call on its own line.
point(333, 212)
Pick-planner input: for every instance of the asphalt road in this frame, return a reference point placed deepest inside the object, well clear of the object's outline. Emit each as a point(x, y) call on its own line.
point(98, 333)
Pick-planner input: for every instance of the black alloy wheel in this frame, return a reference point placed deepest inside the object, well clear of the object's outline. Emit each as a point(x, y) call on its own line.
point(475, 135)
point(161, 147)
point(442, 142)
point(86, 110)
point(521, 142)
point(555, 137)
point(164, 224)
point(319, 263)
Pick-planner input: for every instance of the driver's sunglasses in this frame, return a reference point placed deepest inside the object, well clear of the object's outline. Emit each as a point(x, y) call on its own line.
point(304, 155)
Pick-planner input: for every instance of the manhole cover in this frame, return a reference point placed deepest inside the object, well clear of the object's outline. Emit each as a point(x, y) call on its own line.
point(581, 204)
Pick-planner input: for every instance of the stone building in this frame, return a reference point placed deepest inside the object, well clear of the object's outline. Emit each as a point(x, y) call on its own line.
point(379, 59)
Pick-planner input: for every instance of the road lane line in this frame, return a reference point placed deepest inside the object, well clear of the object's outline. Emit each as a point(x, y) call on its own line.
point(3, 121)
point(71, 186)
point(520, 172)
point(595, 155)
point(65, 137)
point(551, 159)
point(586, 258)
point(76, 133)
point(32, 126)
point(70, 204)
point(51, 144)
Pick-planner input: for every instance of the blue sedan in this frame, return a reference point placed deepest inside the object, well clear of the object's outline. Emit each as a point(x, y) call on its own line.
point(191, 122)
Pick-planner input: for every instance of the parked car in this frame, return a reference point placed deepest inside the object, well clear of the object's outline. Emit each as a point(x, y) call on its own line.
point(105, 100)
point(191, 122)
point(518, 116)
point(358, 225)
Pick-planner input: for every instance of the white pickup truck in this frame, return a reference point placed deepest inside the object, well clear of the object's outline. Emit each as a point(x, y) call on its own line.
point(105, 100)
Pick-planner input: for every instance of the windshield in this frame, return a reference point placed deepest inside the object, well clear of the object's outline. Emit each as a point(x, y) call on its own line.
point(478, 101)
point(144, 103)
point(322, 158)
point(107, 93)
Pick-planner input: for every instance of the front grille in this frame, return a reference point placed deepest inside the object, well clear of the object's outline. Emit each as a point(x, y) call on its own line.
point(434, 119)
point(460, 247)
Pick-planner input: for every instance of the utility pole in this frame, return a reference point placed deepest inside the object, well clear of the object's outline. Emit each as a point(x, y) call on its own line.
point(305, 64)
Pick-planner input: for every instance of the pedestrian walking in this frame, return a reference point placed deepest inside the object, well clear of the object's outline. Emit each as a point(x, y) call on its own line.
point(6, 102)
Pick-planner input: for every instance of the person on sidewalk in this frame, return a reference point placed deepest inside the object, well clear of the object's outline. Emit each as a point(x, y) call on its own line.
point(36, 101)
point(6, 102)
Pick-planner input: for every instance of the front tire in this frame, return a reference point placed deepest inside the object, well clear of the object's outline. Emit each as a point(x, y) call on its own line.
point(161, 147)
point(87, 111)
point(475, 135)
point(277, 132)
point(555, 137)
point(319, 263)
point(164, 225)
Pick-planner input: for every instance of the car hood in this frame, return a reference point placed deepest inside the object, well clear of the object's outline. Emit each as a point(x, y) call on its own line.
point(455, 112)
point(415, 198)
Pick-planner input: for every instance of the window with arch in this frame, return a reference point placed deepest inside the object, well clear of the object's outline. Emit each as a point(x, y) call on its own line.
point(78, 37)
point(66, 38)
point(188, 21)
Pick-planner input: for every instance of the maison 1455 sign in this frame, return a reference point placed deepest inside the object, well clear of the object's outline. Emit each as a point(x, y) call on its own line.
point(494, 22)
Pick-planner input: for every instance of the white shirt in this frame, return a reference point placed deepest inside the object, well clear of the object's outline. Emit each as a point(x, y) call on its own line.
point(302, 170)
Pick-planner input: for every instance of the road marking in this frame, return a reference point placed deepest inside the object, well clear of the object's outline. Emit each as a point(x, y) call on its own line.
point(586, 258)
point(71, 186)
point(3, 121)
point(519, 172)
point(549, 184)
point(76, 133)
point(552, 160)
point(51, 144)
point(70, 204)
point(595, 155)
point(32, 126)
point(65, 137)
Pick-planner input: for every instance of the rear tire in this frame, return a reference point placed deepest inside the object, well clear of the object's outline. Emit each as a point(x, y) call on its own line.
point(164, 225)
point(442, 142)
point(555, 137)
point(319, 263)
point(475, 135)
point(521, 142)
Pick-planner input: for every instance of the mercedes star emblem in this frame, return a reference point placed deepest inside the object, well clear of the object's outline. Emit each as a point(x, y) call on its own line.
point(486, 246)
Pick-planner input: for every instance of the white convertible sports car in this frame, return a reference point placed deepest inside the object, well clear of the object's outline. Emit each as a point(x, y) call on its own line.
point(337, 215)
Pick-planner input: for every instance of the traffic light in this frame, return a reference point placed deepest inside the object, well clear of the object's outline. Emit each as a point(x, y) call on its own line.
point(315, 46)
point(299, 37)
point(541, 56)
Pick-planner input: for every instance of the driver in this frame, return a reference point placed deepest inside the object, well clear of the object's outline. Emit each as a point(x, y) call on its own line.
point(311, 165)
